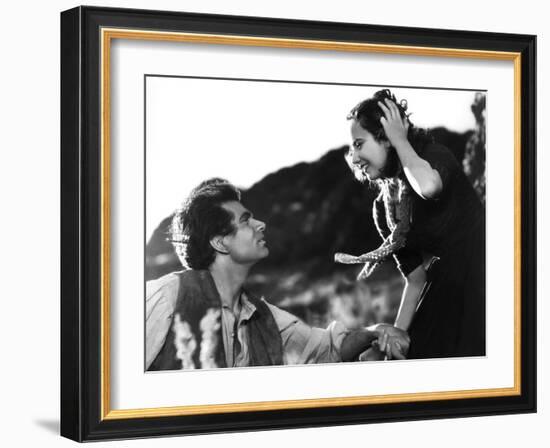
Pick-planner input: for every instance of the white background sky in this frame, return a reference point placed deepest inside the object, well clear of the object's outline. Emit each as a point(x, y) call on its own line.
point(244, 130)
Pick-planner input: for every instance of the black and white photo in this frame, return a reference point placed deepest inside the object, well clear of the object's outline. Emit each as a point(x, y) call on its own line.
point(317, 223)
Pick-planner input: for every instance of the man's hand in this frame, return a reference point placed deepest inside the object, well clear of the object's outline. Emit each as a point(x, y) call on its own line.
point(356, 342)
point(373, 353)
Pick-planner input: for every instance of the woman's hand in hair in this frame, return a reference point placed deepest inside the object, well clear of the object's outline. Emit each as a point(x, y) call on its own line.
point(395, 126)
point(424, 180)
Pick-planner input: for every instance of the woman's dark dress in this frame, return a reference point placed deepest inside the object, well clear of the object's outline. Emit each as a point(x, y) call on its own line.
point(450, 320)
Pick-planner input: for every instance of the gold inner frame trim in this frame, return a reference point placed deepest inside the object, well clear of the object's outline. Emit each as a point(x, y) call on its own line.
point(107, 34)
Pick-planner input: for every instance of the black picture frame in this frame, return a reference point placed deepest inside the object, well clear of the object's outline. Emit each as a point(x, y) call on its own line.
point(82, 407)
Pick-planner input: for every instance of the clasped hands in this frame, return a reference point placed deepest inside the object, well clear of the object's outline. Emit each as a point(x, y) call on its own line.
point(392, 342)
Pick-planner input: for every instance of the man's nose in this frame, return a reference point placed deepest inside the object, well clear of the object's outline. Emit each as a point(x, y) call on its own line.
point(355, 157)
point(260, 226)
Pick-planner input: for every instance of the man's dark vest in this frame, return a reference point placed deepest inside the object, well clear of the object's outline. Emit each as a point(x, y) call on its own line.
point(199, 301)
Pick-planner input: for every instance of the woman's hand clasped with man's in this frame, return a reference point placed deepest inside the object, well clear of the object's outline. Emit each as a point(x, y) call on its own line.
point(392, 342)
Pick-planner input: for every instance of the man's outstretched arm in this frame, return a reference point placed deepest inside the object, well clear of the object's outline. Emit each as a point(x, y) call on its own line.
point(303, 344)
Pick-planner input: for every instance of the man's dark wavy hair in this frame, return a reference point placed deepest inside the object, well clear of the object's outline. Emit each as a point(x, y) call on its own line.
point(200, 218)
point(368, 113)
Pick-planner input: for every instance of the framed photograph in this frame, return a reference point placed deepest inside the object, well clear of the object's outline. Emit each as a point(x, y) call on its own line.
point(274, 223)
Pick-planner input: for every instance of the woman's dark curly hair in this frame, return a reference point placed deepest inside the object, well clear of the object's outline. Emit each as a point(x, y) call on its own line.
point(368, 113)
point(200, 218)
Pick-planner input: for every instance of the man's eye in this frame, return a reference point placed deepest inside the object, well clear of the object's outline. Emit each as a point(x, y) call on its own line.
point(357, 144)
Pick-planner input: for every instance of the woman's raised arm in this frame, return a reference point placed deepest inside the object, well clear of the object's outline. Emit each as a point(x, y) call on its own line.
point(424, 180)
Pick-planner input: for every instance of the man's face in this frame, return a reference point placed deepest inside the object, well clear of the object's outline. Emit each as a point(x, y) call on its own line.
point(246, 245)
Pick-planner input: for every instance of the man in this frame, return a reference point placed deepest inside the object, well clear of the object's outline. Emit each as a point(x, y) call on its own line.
point(202, 317)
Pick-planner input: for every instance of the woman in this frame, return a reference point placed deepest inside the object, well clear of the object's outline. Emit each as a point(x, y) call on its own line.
point(426, 210)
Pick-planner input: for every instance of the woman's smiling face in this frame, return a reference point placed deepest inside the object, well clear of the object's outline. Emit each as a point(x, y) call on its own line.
point(367, 153)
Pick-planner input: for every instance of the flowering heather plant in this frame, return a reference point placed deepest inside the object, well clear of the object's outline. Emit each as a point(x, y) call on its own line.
point(185, 342)
point(210, 325)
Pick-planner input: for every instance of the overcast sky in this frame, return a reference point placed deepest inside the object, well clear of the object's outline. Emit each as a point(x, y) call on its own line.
point(244, 130)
